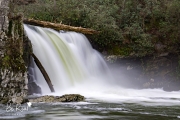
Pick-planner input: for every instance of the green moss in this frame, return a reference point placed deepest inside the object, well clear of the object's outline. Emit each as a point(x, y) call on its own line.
point(14, 47)
point(124, 51)
point(5, 61)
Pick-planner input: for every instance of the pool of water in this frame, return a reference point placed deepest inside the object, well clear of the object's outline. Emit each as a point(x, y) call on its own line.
point(93, 109)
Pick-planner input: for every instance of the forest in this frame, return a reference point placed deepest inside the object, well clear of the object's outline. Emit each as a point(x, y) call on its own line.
point(127, 27)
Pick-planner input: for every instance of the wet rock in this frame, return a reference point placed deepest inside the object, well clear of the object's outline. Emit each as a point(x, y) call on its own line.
point(13, 86)
point(112, 58)
point(4, 100)
point(13, 68)
point(33, 88)
point(64, 98)
point(17, 100)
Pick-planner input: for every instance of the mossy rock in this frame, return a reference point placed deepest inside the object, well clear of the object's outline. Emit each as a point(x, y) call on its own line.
point(4, 100)
point(64, 98)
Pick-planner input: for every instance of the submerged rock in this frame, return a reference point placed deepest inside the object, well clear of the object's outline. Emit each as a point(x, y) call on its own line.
point(64, 98)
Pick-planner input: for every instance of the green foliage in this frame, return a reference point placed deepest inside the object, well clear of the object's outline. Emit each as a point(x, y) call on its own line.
point(121, 50)
point(135, 25)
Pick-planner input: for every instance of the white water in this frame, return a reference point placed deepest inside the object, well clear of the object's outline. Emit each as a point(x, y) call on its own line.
point(74, 67)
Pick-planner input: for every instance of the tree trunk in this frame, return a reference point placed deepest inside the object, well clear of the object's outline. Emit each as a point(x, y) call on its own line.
point(60, 26)
point(43, 71)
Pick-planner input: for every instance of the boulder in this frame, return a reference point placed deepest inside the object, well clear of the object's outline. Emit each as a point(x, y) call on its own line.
point(64, 98)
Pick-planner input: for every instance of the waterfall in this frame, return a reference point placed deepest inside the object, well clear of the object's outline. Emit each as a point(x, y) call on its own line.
point(75, 67)
point(67, 57)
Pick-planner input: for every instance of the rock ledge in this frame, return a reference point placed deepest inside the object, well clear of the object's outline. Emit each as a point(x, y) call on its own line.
point(64, 98)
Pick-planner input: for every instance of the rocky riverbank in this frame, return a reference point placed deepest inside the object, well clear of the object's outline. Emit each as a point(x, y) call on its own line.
point(147, 72)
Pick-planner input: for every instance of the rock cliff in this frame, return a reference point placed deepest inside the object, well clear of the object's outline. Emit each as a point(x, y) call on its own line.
point(13, 56)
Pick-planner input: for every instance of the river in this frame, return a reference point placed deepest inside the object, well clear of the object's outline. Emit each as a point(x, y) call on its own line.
point(74, 67)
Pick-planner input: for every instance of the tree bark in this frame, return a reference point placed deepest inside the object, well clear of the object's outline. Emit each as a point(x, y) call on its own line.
point(43, 71)
point(60, 26)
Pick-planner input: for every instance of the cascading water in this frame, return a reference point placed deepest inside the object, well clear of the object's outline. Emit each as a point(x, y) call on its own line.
point(68, 58)
point(75, 67)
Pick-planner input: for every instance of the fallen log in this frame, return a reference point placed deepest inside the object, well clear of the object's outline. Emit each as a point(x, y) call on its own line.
point(43, 71)
point(59, 26)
